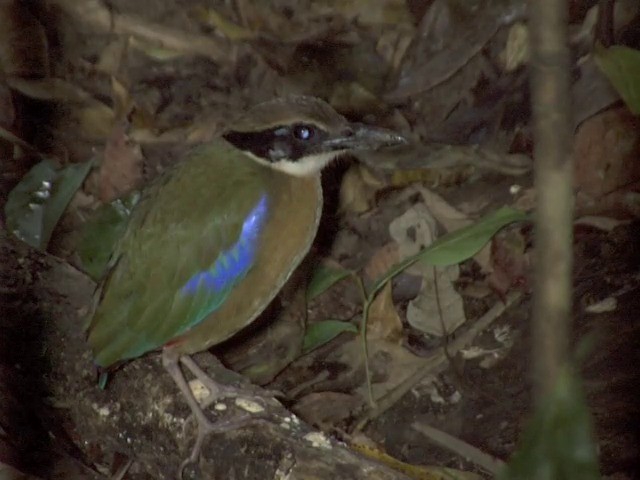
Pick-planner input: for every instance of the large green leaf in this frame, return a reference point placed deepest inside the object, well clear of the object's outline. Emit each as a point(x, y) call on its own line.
point(324, 277)
point(621, 65)
point(36, 204)
point(559, 442)
point(319, 333)
point(102, 231)
point(457, 246)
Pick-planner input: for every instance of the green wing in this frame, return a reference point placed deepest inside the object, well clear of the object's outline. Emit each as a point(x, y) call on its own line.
point(180, 255)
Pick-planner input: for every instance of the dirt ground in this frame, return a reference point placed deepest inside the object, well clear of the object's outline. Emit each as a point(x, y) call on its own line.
point(136, 84)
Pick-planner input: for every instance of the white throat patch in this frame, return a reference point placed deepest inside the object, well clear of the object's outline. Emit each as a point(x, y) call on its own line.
point(305, 166)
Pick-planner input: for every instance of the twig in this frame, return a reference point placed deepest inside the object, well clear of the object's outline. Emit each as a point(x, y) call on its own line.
point(437, 361)
point(459, 447)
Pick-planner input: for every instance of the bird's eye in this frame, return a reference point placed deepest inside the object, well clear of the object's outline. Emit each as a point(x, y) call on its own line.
point(303, 132)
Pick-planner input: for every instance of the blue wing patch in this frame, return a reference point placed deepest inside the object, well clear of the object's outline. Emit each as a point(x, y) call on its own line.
point(230, 266)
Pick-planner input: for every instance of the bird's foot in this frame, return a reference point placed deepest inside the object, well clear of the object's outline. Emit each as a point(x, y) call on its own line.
point(254, 404)
point(207, 427)
point(218, 391)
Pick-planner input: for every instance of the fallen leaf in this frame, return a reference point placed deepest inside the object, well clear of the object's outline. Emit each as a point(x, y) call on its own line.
point(516, 51)
point(121, 169)
point(511, 262)
point(36, 204)
point(358, 189)
point(606, 151)
point(383, 321)
point(320, 408)
point(438, 309)
point(49, 89)
point(381, 261)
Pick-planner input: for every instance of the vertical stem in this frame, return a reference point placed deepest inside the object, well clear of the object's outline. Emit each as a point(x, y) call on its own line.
point(554, 181)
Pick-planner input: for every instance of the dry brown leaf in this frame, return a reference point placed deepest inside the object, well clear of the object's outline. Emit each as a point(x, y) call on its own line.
point(353, 98)
point(358, 189)
point(226, 27)
point(121, 169)
point(384, 321)
point(320, 408)
point(122, 101)
point(112, 56)
point(606, 151)
point(511, 262)
point(516, 52)
point(50, 89)
point(381, 261)
point(394, 12)
point(438, 309)
point(606, 224)
point(95, 121)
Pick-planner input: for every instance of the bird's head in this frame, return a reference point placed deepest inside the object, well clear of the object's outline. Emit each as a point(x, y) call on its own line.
point(300, 135)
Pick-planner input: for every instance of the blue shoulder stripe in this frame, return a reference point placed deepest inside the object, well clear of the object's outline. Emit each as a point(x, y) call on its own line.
point(231, 265)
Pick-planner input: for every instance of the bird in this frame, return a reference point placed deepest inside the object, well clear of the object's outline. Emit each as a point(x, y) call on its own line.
point(213, 240)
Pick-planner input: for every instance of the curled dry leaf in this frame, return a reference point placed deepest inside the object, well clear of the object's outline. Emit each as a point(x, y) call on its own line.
point(121, 169)
point(384, 321)
point(382, 260)
point(606, 151)
point(511, 262)
point(438, 306)
point(50, 89)
point(358, 189)
point(516, 52)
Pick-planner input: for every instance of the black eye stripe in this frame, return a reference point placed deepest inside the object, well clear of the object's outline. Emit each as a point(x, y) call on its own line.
point(290, 141)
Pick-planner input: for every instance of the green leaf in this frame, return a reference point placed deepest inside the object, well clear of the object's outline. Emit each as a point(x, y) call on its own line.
point(323, 332)
point(323, 278)
point(102, 231)
point(559, 442)
point(36, 204)
point(458, 246)
point(621, 65)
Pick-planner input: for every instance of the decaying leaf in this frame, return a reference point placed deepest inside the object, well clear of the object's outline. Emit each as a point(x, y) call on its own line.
point(320, 408)
point(606, 151)
point(516, 52)
point(121, 169)
point(358, 189)
point(382, 261)
point(383, 321)
point(511, 262)
point(49, 89)
point(36, 204)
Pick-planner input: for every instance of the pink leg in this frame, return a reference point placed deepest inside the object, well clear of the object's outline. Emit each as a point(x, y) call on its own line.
point(170, 361)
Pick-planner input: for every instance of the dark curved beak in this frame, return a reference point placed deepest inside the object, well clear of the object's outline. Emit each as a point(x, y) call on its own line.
point(359, 136)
